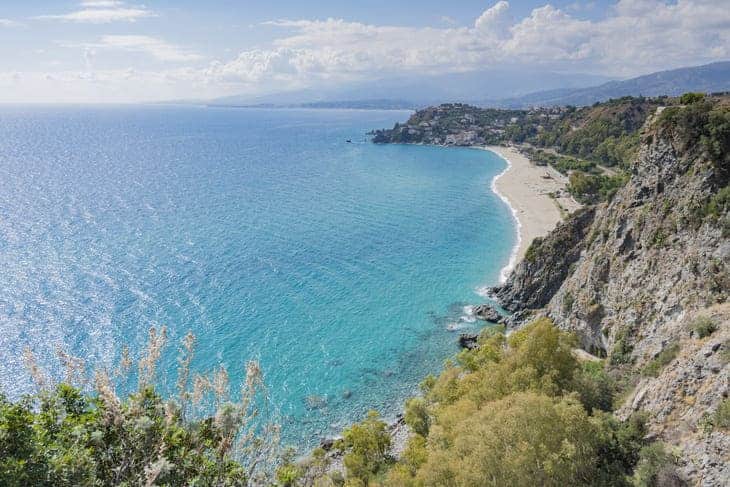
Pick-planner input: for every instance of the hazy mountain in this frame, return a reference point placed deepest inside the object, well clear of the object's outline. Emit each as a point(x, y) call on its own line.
point(707, 78)
point(421, 90)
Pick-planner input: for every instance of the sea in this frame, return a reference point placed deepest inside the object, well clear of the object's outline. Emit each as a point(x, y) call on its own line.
point(345, 268)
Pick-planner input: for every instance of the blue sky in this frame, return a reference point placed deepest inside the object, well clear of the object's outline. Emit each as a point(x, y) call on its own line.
point(124, 50)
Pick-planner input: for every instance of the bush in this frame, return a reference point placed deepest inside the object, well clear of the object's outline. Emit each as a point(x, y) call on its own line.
point(655, 366)
point(656, 468)
point(721, 418)
point(592, 188)
point(520, 410)
point(522, 439)
point(416, 416)
point(719, 204)
point(689, 98)
point(595, 387)
point(63, 436)
point(622, 349)
point(703, 327)
point(366, 445)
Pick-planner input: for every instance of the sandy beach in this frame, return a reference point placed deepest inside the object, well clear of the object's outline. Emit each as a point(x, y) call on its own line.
point(527, 189)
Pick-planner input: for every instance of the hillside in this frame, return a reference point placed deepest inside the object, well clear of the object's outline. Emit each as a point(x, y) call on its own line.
point(708, 78)
point(647, 280)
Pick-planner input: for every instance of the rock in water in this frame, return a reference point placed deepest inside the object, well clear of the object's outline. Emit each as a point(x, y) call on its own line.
point(468, 341)
point(487, 313)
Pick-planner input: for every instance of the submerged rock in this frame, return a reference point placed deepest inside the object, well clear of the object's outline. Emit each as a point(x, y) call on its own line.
point(315, 402)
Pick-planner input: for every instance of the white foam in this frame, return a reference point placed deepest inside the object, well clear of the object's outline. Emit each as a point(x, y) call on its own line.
point(504, 273)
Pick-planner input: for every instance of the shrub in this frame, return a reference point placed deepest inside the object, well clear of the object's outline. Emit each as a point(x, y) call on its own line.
point(689, 98)
point(721, 418)
point(366, 445)
point(63, 436)
point(521, 410)
point(719, 204)
point(704, 327)
point(416, 416)
point(663, 358)
point(533, 250)
point(522, 439)
point(595, 387)
point(622, 349)
point(656, 468)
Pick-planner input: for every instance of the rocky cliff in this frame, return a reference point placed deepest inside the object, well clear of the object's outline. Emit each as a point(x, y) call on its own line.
point(637, 277)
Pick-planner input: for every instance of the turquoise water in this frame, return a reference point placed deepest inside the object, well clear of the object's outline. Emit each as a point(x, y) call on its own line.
point(340, 267)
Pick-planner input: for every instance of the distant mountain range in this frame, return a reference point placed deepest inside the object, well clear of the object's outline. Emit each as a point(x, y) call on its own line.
point(708, 78)
point(417, 91)
point(493, 88)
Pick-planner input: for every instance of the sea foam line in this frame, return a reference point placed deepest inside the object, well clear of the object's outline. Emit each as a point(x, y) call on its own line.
point(504, 273)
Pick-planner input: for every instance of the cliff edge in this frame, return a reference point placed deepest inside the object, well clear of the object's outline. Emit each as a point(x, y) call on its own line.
point(643, 280)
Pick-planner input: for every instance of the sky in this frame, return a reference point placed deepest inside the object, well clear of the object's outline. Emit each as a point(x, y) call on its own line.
point(111, 51)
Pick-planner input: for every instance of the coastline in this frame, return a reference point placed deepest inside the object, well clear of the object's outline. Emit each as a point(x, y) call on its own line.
point(535, 197)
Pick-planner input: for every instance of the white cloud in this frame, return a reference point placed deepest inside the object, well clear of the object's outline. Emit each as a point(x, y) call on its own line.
point(494, 19)
point(636, 37)
point(152, 46)
point(101, 3)
point(102, 12)
point(10, 23)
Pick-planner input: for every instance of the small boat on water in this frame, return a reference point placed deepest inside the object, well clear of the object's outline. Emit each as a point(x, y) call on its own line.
point(349, 141)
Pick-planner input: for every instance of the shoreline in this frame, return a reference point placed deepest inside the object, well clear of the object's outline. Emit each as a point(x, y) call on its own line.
point(535, 197)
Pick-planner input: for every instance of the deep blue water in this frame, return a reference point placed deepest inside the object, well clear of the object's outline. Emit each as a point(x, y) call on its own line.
point(338, 266)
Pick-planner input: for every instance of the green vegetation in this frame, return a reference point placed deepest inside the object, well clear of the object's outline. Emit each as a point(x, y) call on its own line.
point(663, 358)
point(367, 445)
point(518, 410)
point(622, 349)
point(606, 133)
point(721, 418)
point(416, 416)
point(62, 436)
point(689, 98)
point(703, 327)
point(592, 188)
point(563, 164)
point(656, 467)
point(704, 124)
point(533, 251)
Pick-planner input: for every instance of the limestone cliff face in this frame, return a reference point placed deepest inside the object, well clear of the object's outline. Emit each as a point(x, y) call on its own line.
point(649, 256)
point(630, 276)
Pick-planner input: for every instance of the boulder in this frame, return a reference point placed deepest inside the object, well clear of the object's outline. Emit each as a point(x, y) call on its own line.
point(468, 341)
point(487, 313)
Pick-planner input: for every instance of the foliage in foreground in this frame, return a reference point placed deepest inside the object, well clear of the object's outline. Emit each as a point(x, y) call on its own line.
point(62, 436)
point(520, 410)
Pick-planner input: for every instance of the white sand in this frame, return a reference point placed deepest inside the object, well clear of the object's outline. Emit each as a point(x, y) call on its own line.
point(527, 187)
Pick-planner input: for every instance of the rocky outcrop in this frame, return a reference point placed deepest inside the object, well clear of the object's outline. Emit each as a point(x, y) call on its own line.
point(683, 397)
point(487, 313)
point(631, 276)
point(546, 265)
point(468, 341)
point(650, 256)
